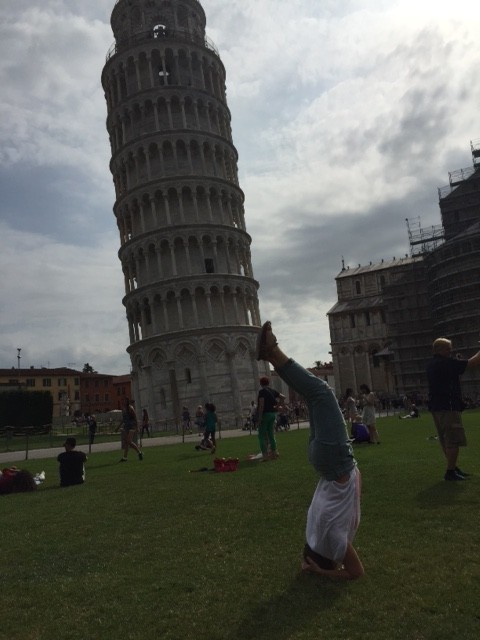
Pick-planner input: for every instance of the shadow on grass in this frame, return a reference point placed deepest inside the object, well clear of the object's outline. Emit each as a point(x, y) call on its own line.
point(57, 487)
point(93, 465)
point(284, 615)
point(441, 494)
point(50, 487)
point(198, 455)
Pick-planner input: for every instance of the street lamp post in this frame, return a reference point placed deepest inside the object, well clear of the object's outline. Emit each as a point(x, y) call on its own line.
point(18, 356)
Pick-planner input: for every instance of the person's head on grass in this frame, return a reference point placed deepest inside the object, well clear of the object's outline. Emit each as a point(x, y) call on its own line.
point(323, 563)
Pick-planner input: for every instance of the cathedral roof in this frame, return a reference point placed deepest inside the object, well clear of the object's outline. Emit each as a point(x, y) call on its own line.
point(348, 272)
point(357, 304)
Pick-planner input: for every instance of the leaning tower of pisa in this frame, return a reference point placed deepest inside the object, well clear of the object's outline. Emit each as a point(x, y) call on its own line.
point(190, 295)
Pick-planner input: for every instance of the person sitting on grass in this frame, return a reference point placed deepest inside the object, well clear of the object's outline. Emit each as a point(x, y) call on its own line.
point(413, 413)
point(72, 464)
point(334, 513)
point(359, 430)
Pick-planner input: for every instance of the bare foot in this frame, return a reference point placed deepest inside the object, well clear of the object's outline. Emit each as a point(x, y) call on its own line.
point(267, 347)
point(266, 341)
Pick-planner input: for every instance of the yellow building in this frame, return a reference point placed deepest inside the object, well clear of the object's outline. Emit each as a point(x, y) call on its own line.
point(63, 384)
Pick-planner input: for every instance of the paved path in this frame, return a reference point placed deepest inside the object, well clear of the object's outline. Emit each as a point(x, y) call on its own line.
point(52, 452)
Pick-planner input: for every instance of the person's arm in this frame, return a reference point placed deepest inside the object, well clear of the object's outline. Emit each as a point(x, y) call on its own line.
point(474, 361)
point(352, 568)
point(133, 415)
point(261, 406)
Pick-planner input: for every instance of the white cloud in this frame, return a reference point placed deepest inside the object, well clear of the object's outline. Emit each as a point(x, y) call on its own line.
point(53, 112)
point(347, 116)
point(61, 300)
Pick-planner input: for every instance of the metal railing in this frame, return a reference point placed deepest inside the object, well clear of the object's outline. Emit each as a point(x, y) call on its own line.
point(194, 2)
point(168, 34)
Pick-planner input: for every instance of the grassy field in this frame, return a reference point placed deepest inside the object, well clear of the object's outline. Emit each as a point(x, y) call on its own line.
point(149, 550)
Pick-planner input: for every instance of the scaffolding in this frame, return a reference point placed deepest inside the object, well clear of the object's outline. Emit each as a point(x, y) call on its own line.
point(423, 240)
point(475, 147)
point(456, 178)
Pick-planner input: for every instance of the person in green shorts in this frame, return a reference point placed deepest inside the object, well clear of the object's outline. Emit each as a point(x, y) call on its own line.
point(267, 401)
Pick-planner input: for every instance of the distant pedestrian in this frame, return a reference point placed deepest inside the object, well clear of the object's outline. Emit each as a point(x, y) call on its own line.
point(129, 426)
point(200, 419)
point(72, 464)
point(296, 411)
point(350, 406)
point(145, 423)
point(368, 416)
point(186, 420)
point(253, 414)
point(92, 428)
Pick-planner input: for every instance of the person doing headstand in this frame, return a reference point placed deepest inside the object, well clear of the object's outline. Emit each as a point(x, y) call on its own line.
point(334, 513)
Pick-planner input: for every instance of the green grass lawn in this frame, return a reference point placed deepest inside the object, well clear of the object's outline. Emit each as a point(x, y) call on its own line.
point(148, 550)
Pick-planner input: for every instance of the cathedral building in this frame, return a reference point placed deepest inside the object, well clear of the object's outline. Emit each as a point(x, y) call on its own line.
point(388, 314)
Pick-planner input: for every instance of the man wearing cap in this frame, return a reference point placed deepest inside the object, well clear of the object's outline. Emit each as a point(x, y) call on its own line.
point(72, 464)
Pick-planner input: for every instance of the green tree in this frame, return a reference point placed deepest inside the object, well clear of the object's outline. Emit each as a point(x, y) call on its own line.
point(87, 368)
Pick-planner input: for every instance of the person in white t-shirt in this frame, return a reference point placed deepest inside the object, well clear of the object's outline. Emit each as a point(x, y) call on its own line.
point(334, 513)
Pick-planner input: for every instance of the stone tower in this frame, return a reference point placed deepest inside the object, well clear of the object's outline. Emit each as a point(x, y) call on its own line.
point(190, 295)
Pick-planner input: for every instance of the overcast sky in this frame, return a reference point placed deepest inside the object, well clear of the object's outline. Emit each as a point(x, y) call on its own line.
point(347, 116)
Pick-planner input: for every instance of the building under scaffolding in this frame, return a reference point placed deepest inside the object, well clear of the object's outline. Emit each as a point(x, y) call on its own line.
point(388, 314)
point(423, 241)
point(453, 270)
